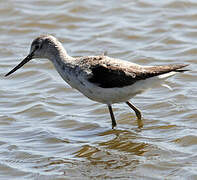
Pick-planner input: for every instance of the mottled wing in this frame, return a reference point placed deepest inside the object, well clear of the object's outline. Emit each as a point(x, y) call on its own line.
point(109, 76)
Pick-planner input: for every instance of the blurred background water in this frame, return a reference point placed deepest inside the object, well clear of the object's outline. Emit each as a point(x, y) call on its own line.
point(50, 131)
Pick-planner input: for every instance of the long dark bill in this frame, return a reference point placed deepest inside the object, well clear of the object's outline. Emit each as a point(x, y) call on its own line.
point(24, 61)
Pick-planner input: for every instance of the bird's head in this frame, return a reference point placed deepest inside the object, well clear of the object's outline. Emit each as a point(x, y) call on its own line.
point(41, 47)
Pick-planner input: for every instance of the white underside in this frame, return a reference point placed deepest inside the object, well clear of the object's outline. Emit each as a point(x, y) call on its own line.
point(111, 95)
point(117, 95)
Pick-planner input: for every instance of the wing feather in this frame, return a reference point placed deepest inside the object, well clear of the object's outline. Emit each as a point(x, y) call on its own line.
point(109, 76)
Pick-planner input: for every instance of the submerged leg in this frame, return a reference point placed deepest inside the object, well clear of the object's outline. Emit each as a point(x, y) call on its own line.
point(112, 116)
point(137, 112)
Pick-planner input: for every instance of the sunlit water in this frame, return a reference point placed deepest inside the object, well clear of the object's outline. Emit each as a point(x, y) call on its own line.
point(50, 131)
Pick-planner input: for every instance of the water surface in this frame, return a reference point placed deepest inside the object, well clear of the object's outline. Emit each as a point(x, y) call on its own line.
point(50, 131)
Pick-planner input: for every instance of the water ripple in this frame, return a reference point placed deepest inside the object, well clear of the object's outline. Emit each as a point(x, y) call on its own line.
point(50, 131)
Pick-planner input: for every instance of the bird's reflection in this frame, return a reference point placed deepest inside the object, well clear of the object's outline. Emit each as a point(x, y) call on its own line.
point(109, 151)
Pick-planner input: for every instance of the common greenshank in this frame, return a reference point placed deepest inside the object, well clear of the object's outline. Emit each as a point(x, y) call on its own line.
point(100, 78)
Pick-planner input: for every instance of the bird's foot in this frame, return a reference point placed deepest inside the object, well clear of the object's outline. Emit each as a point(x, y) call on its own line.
point(139, 119)
point(140, 123)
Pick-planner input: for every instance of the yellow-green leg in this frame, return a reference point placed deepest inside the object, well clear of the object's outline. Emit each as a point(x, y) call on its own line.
point(112, 116)
point(138, 114)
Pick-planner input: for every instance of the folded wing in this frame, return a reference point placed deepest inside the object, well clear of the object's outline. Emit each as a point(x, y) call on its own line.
point(109, 76)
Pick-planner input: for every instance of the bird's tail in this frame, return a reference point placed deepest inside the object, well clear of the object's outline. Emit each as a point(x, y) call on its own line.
point(166, 70)
point(177, 68)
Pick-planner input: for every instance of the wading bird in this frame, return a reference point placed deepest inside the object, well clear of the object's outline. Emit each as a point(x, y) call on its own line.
point(100, 78)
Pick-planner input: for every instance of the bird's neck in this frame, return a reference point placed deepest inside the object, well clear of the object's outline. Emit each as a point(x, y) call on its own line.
point(63, 63)
point(58, 54)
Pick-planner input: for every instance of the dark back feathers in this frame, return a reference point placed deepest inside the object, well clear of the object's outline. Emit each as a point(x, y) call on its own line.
point(111, 77)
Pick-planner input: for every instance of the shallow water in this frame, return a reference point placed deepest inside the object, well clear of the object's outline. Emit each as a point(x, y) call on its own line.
point(50, 131)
